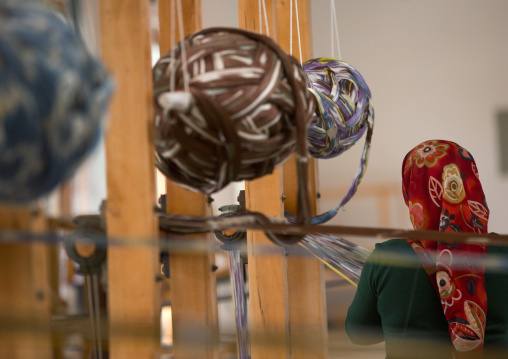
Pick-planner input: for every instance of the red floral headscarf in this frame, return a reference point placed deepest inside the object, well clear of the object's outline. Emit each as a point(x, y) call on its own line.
point(442, 190)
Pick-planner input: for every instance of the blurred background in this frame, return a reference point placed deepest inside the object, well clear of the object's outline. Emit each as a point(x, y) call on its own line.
point(436, 70)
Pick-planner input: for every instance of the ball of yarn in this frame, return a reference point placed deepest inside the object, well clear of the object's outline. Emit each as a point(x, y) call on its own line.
point(239, 117)
point(53, 97)
point(343, 106)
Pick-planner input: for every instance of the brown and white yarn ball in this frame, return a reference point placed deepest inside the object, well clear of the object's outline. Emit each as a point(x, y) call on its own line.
point(246, 110)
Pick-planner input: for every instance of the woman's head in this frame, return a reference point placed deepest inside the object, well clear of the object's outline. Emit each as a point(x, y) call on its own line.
point(442, 190)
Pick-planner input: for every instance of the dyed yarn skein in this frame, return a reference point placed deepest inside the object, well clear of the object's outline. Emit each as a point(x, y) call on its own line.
point(246, 110)
point(343, 106)
point(343, 114)
point(53, 97)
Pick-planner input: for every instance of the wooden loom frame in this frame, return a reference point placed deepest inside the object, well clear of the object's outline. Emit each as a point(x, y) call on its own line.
point(290, 292)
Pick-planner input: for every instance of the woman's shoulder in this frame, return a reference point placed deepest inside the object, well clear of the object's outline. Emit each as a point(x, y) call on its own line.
point(497, 249)
point(398, 244)
point(393, 252)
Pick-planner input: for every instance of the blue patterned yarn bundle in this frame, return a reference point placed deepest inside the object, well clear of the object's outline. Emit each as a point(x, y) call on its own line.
point(343, 114)
point(53, 99)
point(343, 106)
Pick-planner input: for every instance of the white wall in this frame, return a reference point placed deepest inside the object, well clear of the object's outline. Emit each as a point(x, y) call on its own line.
point(220, 13)
point(436, 69)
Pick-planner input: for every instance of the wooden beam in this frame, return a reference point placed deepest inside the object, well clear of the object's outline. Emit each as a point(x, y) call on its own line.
point(134, 294)
point(248, 16)
point(268, 301)
point(25, 299)
point(64, 211)
point(193, 286)
point(192, 281)
point(306, 282)
point(192, 22)
point(306, 286)
point(282, 8)
point(269, 317)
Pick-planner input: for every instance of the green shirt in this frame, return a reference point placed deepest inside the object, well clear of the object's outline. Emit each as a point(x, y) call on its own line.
point(396, 302)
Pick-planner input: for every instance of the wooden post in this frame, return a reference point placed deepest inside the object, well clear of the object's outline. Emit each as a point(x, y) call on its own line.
point(306, 283)
point(248, 16)
point(269, 317)
point(192, 21)
point(193, 286)
point(25, 296)
point(134, 295)
point(192, 281)
point(55, 267)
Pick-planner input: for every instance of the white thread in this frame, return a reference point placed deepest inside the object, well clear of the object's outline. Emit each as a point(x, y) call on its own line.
point(266, 19)
point(260, 18)
point(172, 44)
point(291, 27)
point(332, 45)
point(182, 45)
point(298, 31)
point(335, 26)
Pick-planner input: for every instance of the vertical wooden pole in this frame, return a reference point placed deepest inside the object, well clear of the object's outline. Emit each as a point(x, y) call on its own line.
point(134, 295)
point(25, 295)
point(192, 21)
point(267, 269)
point(306, 284)
point(192, 282)
point(282, 9)
point(269, 317)
point(248, 17)
point(64, 211)
point(193, 286)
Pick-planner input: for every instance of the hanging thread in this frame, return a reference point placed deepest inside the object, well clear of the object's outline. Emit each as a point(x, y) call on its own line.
point(332, 45)
point(183, 49)
point(172, 36)
point(298, 32)
point(334, 26)
point(266, 18)
point(297, 29)
point(260, 18)
point(291, 27)
point(240, 303)
point(340, 255)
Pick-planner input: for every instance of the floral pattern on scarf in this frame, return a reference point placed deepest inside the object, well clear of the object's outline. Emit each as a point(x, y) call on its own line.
point(442, 190)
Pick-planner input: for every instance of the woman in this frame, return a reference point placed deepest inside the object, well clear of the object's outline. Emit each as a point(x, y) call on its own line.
point(430, 299)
